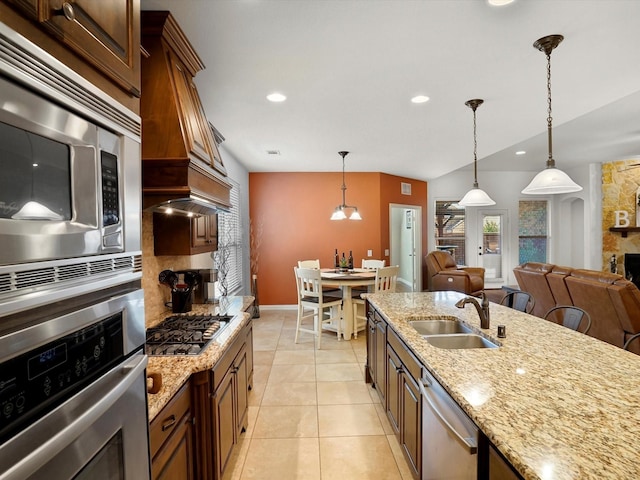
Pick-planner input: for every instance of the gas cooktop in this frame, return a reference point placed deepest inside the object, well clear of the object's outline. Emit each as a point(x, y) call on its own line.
point(184, 334)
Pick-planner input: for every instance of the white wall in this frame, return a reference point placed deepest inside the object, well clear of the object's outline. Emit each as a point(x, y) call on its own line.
point(575, 219)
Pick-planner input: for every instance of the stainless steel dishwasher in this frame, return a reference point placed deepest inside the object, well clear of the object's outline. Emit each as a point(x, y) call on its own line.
point(449, 437)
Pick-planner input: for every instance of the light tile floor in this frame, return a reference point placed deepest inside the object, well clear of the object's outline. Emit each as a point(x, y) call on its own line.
point(311, 416)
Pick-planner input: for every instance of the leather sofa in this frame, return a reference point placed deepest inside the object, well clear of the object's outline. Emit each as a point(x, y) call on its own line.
point(444, 274)
point(612, 302)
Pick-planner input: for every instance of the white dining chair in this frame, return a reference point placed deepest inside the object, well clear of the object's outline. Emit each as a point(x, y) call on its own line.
point(372, 263)
point(315, 305)
point(309, 263)
point(386, 281)
point(367, 264)
point(328, 290)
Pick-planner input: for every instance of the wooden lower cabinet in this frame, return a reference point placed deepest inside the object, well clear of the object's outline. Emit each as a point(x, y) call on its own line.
point(220, 399)
point(411, 423)
point(171, 439)
point(404, 409)
point(224, 428)
point(375, 371)
point(394, 372)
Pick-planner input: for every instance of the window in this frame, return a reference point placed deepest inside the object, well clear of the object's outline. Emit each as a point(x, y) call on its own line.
point(532, 231)
point(449, 228)
point(228, 257)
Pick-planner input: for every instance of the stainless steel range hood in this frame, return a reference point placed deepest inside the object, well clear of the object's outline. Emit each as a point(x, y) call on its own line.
point(183, 186)
point(192, 204)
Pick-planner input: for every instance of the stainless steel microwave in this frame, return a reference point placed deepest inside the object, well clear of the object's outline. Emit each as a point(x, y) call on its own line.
point(62, 182)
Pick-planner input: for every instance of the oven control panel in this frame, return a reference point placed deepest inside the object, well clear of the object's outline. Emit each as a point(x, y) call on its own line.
point(35, 382)
point(110, 189)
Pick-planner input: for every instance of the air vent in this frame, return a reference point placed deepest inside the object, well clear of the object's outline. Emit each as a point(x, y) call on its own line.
point(122, 263)
point(5, 282)
point(12, 283)
point(32, 278)
point(69, 272)
point(100, 266)
point(405, 188)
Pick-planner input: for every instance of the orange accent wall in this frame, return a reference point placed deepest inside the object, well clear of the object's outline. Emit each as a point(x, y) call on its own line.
point(289, 216)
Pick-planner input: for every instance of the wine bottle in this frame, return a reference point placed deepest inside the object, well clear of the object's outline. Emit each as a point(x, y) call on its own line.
point(350, 260)
point(336, 259)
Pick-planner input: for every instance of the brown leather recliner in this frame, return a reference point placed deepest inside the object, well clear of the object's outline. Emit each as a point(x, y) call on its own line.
point(531, 278)
point(444, 274)
point(612, 302)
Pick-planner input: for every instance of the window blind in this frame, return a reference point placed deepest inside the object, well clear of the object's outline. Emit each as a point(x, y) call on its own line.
point(228, 258)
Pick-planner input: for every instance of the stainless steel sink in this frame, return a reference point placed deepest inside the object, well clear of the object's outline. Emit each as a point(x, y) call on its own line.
point(458, 341)
point(440, 326)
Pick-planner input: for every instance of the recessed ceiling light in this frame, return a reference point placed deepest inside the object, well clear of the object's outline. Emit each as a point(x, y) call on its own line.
point(520, 152)
point(420, 99)
point(499, 3)
point(276, 97)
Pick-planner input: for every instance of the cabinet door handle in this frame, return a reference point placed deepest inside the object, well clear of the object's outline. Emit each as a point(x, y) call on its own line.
point(168, 423)
point(66, 11)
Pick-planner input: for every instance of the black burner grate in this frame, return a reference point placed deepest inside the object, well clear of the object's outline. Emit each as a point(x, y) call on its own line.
point(184, 334)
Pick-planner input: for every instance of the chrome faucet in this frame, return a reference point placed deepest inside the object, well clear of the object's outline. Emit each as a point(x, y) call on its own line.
point(483, 311)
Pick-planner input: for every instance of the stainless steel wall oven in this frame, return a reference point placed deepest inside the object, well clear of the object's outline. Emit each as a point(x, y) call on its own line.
point(73, 391)
point(72, 330)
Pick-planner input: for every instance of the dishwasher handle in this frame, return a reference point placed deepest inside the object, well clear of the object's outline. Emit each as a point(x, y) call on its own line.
point(469, 443)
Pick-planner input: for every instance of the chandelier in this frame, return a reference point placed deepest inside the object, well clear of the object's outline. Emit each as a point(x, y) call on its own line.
point(339, 212)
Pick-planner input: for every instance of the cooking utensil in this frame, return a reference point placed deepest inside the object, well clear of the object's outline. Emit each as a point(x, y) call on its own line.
point(192, 278)
point(168, 278)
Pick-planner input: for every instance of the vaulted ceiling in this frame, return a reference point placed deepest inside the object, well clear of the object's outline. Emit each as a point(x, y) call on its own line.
point(350, 67)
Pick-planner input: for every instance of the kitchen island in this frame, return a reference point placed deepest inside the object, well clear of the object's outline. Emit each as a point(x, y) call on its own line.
point(556, 403)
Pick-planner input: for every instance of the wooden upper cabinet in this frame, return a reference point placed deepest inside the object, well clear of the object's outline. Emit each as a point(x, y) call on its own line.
point(174, 121)
point(101, 42)
point(105, 34)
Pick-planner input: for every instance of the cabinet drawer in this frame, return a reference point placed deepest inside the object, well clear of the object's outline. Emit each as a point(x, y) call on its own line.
point(169, 418)
point(411, 364)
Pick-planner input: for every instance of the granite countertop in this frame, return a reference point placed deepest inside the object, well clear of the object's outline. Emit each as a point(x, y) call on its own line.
point(176, 369)
point(558, 404)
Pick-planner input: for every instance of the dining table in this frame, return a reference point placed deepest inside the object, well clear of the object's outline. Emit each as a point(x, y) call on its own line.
point(356, 277)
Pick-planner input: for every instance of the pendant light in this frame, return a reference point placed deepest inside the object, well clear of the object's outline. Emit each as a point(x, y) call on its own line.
point(476, 197)
point(551, 180)
point(338, 213)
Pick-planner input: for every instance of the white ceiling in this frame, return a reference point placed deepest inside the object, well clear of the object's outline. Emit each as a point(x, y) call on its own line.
point(350, 67)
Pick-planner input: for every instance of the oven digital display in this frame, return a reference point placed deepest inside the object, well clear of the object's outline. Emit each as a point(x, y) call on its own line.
point(46, 361)
point(34, 382)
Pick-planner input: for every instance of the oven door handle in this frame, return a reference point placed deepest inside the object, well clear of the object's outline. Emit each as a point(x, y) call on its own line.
point(105, 393)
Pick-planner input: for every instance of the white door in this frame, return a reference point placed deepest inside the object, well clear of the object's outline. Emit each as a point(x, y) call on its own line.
point(492, 253)
point(405, 241)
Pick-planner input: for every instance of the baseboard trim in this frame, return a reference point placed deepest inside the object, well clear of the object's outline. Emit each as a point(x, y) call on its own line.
point(278, 307)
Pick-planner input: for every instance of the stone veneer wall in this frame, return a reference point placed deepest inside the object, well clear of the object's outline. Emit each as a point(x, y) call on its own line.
point(620, 180)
